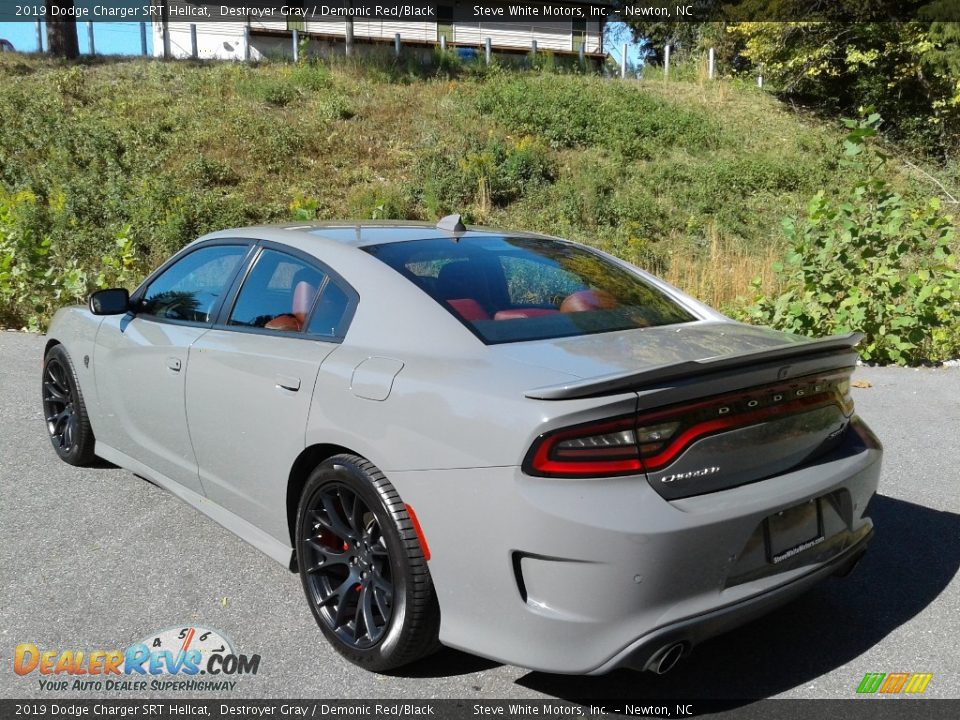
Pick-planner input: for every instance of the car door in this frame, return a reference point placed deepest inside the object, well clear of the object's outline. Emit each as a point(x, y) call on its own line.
point(141, 358)
point(251, 378)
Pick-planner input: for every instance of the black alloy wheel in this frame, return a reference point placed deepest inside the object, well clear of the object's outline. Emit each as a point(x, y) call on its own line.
point(348, 567)
point(363, 568)
point(64, 412)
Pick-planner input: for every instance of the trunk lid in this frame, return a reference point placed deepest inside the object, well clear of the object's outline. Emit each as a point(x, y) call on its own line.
point(720, 404)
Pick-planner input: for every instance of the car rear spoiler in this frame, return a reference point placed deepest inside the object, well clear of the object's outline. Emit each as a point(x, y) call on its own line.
point(670, 372)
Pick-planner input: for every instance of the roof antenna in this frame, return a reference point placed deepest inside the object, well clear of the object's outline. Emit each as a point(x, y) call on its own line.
point(452, 223)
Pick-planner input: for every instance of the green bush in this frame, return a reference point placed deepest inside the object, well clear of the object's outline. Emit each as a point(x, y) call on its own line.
point(278, 92)
point(380, 202)
point(123, 162)
point(35, 279)
point(483, 174)
point(603, 204)
point(572, 111)
point(871, 262)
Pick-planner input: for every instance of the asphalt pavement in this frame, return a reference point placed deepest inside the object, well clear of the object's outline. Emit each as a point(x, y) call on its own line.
point(99, 558)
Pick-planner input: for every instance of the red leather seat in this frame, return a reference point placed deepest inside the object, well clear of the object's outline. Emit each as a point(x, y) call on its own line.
point(287, 323)
point(463, 286)
point(468, 309)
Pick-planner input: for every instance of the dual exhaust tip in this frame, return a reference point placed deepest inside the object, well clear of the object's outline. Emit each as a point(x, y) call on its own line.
point(666, 658)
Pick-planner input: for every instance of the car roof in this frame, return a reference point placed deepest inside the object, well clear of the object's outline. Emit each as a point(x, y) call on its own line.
point(394, 325)
point(362, 233)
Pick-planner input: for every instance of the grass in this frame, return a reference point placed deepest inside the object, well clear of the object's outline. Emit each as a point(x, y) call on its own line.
point(690, 179)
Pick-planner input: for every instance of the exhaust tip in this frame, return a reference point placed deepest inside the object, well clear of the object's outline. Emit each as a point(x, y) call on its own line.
point(665, 659)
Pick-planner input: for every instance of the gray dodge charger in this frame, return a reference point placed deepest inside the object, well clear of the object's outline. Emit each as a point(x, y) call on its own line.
point(501, 442)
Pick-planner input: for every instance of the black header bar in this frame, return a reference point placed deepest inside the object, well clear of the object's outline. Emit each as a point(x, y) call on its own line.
point(498, 11)
point(56, 708)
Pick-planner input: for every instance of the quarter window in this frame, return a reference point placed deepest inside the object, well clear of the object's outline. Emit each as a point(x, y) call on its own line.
point(278, 294)
point(191, 288)
point(331, 310)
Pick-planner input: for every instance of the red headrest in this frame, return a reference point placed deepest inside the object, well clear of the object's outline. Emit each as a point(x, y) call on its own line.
point(303, 296)
point(588, 300)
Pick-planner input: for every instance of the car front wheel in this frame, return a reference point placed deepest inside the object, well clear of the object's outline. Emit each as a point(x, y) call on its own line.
point(363, 568)
point(64, 412)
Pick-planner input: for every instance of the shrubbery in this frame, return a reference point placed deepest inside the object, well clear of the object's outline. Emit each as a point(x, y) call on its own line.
point(873, 262)
point(36, 279)
point(383, 201)
point(106, 168)
point(571, 111)
point(482, 175)
point(106, 171)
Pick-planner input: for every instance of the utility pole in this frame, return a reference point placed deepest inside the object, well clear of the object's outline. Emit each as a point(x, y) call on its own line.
point(349, 43)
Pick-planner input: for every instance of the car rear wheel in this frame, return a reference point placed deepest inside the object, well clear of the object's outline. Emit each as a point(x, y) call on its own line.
point(64, 412)
point(363, 568)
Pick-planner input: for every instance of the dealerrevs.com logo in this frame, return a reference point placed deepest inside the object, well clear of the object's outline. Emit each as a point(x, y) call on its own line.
point(183, 658)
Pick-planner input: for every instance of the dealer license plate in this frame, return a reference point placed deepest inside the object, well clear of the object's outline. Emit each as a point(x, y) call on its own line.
point(791, 531)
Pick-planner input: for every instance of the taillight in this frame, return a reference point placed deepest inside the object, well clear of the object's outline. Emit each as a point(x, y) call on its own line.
point(652, 440)
point(596, 449)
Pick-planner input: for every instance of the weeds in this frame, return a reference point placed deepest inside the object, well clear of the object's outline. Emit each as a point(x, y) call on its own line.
point(107, 168)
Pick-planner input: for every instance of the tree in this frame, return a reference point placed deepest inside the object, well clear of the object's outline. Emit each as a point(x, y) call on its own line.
point(859, 53)
point(683, 36)
point(62, 29)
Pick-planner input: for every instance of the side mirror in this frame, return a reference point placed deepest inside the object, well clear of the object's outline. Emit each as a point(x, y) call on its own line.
point(115, 301)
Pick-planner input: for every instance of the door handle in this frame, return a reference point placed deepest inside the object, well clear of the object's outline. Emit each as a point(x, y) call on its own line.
point(173, 364)
point(287, 382)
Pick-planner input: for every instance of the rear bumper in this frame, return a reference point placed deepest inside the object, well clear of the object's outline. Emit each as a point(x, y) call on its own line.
point(692, 631)
point(584, 576)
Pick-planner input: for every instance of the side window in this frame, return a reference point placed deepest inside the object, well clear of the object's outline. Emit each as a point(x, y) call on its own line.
point(278, 294)
point(328, 317)
point(190, 288)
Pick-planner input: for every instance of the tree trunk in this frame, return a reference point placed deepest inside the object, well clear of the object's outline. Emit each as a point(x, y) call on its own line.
point(62, 29)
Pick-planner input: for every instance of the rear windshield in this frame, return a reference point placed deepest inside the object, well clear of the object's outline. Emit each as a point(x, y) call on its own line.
point(512, 289)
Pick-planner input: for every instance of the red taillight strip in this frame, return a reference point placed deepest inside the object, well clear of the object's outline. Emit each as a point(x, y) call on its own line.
point(543, 464)
point(710, 427)
point(572, 468)
point(545, 460)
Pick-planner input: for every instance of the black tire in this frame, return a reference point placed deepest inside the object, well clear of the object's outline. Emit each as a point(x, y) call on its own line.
point(362, 567)
point(65, 415)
